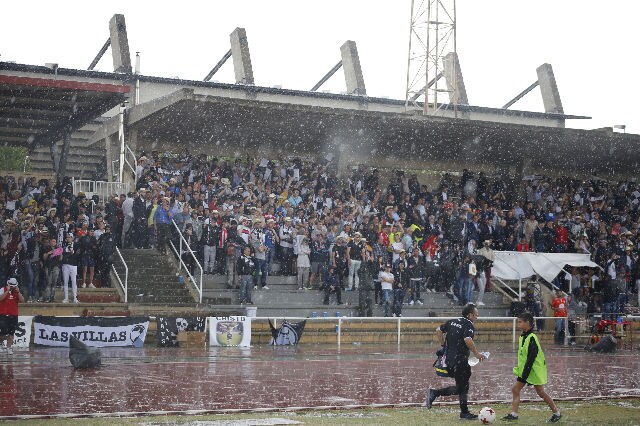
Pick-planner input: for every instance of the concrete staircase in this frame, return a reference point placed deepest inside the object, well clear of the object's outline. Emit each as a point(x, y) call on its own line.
point(153, 280)
point(83, 161)
point(283, 299)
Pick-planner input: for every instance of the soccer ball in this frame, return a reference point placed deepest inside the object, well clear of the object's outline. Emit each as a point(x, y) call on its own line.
point(487, 416)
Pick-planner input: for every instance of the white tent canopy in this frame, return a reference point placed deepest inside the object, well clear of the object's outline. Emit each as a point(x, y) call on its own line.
point(514, 265)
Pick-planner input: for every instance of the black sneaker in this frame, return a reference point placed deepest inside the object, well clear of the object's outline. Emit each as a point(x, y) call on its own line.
point(431, 396)
point(468, 416)
point(555, 418)
point(510, 417)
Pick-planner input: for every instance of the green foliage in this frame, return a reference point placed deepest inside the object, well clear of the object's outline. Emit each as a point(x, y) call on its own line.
point(13, 159)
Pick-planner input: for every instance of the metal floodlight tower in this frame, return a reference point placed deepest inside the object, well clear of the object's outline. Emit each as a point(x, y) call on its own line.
point(432, 37)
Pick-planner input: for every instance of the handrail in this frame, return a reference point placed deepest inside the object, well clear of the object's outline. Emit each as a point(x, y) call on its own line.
point(135, 162)
point(125, 286)
point(506, 286)
point(197, 286)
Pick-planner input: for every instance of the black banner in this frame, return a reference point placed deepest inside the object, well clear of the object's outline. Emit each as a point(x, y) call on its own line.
point(168, 328)
point(93, 331)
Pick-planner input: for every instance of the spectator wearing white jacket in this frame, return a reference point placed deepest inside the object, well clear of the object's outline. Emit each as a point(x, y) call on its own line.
point(304, 265)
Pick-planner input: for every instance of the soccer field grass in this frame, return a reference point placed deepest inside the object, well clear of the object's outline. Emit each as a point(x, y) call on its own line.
point(603, 412)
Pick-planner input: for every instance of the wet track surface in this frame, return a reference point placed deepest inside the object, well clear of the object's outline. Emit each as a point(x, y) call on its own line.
point(42, 382)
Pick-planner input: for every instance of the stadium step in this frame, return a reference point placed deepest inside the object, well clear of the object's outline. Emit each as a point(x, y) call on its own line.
point(83, 161)
point(153, 279)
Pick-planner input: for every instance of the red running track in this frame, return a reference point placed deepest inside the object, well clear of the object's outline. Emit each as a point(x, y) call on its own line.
point(42, 382)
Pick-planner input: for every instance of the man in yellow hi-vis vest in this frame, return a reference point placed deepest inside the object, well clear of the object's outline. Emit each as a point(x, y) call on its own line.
point(531, 369)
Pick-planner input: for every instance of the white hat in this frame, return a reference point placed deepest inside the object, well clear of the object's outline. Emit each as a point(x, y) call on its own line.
point(12, 282)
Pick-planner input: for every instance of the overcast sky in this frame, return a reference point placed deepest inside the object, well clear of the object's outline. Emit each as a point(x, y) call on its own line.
point(592, 45)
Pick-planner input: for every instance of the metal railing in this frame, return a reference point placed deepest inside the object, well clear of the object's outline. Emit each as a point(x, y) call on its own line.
point(510, 322)
point(103, 189)
point(506, 286)
point(106, 189)
point(178, 252)
point(125, 285)
point(130, 153)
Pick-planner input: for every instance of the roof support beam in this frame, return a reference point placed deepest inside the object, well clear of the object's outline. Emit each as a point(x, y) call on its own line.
point(241, 57)
point(327, 76)
point(549, 89)
point(520, 95)
point(424, 89)
point(119, 44)
point(455, 82)
point(104, 48)
point(62, 165)
point(352, 69)
point(219, 65)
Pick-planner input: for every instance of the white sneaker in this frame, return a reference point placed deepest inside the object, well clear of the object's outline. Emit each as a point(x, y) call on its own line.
point(420, 302)
point(480, 303)
point(265, 287)
point(91, 285)
point(76, 300)
point(9, 351)
point(410, 302)
point(255, 287)
point(65, 300)
point(84, 285)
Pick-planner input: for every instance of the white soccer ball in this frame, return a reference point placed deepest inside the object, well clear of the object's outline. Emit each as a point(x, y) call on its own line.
point(487, 416)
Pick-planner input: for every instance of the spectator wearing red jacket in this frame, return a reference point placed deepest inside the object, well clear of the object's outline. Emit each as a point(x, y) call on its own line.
point(562, 238)
point(10, 296)
point(559, 306)
point(523, 245)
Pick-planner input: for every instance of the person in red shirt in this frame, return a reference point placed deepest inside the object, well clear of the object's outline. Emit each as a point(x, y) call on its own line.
point(10, 296)
point(523, 245)
point(562, 238)
point(559, 306)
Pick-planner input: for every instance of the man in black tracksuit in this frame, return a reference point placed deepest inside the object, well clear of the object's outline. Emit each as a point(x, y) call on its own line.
point(456, 337)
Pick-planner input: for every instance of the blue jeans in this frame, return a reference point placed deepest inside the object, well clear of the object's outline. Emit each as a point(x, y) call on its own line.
point(33, 273)
point(269, 255)
point(398, 298)
point(460, 289)
point(415, 289)
point(609, 309)
point(387, 296)
point(246, 282)
point(469, 288)
point(261, 269)
point(559, 331)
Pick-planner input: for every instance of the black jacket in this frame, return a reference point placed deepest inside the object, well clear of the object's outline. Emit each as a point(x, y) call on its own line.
point(70, 253)
point(106, 246)
point(210, 235)
point(139, 209)
point(245, 265)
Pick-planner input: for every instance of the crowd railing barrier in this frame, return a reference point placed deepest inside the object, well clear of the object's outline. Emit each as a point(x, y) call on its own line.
point(178, 252)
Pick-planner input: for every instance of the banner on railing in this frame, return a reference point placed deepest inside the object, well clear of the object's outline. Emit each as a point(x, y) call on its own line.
point(22, 336)
point(93, 331)
point(230, 331)
point(168, 328)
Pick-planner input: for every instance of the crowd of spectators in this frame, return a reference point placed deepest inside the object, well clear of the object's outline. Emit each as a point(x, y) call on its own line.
point(51, 237)
point(297, 215)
